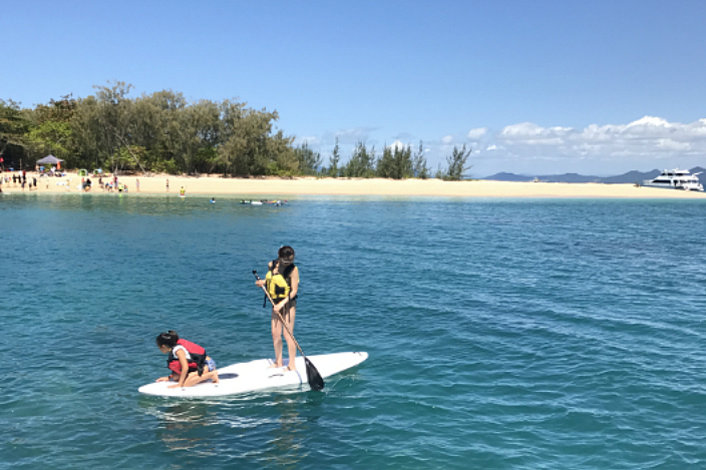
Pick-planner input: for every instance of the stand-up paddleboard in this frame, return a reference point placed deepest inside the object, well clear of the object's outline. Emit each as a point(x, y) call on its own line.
point(258, 375)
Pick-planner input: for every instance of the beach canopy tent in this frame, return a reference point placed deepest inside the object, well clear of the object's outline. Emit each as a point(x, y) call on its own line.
point(49, 160)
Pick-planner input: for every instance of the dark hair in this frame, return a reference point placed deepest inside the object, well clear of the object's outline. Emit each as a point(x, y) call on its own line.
point(169, 338)
point(286, 252)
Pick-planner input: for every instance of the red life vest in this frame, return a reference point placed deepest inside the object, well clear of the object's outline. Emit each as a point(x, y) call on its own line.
point(197, 361)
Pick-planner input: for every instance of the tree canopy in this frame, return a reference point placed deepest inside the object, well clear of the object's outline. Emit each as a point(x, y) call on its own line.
point(163, 132)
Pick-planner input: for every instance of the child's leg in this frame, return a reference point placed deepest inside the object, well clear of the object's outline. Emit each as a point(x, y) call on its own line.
point(193, 378)
point(212, 375)
point(209, 372)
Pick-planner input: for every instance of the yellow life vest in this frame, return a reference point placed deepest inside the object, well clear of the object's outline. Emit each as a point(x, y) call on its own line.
point(278, 284)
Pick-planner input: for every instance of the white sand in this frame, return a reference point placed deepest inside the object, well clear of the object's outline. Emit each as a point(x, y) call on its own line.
point(305, 186)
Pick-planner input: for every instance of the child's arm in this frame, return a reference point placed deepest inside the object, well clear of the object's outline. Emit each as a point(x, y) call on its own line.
point(173, 377)
point(184, 368)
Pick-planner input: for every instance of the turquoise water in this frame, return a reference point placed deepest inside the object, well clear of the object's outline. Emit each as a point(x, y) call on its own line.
point(502, 334)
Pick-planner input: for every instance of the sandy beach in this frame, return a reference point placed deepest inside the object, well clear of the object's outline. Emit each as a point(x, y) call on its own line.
point(283, 188)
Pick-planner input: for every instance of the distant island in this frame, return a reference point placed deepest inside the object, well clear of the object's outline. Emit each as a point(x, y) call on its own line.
point(629, 177)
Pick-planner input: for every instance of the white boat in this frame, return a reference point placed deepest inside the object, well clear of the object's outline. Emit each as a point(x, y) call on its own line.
point(676, 179)
point(258, 375)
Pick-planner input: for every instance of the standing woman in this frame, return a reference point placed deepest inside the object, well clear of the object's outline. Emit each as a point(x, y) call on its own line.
point(282, 283)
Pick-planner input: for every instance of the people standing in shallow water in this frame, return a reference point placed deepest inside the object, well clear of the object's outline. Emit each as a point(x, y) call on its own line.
point(282, 283)
point(188, 361)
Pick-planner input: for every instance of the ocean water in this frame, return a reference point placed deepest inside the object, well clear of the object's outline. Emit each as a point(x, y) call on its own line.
point(503, 334)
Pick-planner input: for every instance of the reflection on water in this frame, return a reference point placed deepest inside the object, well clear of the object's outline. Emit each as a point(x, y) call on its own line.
point(181, 423)
point(287, 447)
point(270, 428)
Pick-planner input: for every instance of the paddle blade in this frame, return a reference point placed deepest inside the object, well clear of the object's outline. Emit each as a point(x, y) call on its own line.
point(316, 382)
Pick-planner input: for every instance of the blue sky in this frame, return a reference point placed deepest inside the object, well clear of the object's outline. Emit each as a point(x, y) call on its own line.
point(538, 87)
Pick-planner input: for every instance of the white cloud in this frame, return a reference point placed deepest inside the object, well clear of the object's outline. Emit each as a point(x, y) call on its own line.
point(447, 139)
point(649, 122)
point(396, 145)
point(646, 143)
point(698, 128)
point(669, 144)
point(643, 136)
point(476, 134)
point(532, 134)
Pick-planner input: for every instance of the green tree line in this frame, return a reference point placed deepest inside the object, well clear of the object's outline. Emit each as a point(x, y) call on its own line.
point(162, 132)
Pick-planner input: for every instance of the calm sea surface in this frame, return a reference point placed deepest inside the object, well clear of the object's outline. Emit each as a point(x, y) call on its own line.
point(533, 334)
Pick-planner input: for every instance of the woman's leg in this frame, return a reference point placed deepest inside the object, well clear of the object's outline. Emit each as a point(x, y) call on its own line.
point(291, 346)
point(277, 339)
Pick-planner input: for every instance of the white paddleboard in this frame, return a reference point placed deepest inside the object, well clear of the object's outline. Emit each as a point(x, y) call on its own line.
point(258, 375)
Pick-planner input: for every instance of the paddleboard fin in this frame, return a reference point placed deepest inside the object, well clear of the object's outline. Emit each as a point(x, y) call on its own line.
point(316, 382)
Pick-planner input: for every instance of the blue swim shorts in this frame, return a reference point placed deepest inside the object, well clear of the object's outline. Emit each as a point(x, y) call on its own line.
point(211, 364)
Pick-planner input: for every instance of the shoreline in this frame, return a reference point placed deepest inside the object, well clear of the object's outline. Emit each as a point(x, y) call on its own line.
point(274, 187)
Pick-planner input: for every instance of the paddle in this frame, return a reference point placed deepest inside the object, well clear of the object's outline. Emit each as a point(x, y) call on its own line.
point(316, 382)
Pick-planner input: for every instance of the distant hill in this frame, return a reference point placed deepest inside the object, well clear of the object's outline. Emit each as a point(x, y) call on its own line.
point(508, 177)
point(632, 177)
point(629, 177)
point(569, 178)
point(565, 178)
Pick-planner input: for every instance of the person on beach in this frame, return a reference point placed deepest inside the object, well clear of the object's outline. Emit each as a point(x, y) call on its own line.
point(188, 361)
point(282, 284)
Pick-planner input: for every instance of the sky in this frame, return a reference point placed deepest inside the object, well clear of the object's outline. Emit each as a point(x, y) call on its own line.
point(531, 87)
